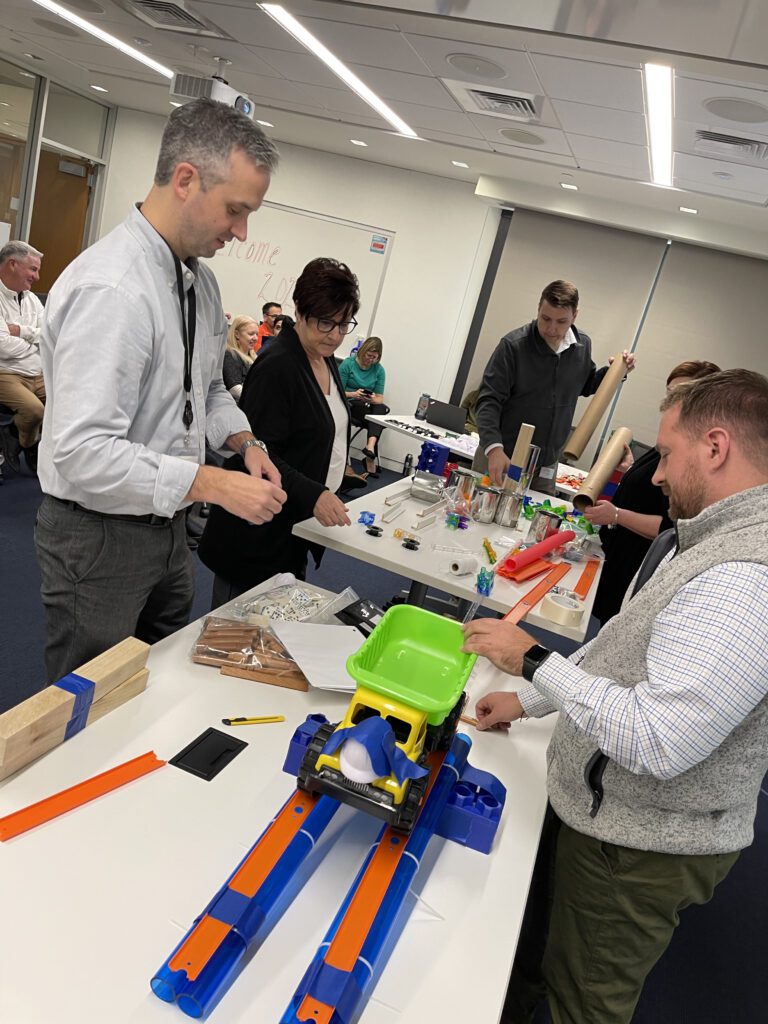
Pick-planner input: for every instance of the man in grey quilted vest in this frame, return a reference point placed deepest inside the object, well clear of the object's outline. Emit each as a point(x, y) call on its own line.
point(656, 761)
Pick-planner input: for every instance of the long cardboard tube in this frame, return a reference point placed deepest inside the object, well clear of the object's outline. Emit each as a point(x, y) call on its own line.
point(585, 428)
point(601, 472)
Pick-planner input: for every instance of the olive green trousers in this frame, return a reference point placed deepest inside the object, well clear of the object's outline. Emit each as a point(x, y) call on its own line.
point(598, 918)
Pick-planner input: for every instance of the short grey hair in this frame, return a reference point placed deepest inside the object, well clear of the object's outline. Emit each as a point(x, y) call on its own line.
point(18, 251)
point(204, 133)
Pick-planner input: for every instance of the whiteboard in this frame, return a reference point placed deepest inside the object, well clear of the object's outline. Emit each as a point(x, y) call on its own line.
point(281, 241)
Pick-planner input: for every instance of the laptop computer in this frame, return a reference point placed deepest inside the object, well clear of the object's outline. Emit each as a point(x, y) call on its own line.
point(449, 417)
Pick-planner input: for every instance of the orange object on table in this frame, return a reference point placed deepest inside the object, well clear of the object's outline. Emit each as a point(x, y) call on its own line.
point(528, 572)
point(518, 611)
point(585, 580)
point(536, 551)
point(68, 799)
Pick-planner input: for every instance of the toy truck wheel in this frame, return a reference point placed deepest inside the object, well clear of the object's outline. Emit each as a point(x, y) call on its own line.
point(314, 750)
point(411, 805)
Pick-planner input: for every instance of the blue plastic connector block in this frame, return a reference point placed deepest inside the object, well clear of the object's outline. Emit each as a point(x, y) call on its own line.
point(433, 457)
point(300, 740)
point(473, 812)
point(366, 518)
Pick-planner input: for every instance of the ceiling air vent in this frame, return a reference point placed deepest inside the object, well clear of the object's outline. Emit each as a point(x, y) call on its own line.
point(730, 147)
point(172, 16)
point(511, 104)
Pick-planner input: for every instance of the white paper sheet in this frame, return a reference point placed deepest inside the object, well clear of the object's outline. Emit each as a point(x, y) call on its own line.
point(321, 652)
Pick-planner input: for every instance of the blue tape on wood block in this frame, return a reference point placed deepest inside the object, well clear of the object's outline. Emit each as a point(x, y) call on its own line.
point(83, 690)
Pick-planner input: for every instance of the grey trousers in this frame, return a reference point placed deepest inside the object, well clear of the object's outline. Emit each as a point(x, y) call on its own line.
point(105, 578)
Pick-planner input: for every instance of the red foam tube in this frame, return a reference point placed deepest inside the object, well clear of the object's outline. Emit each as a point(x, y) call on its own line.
point(539, 550)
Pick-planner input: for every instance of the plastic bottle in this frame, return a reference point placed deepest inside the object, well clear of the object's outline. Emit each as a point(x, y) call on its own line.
point(407, 464)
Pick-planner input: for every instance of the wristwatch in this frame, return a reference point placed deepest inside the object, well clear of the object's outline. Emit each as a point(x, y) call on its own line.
point(252, 442)
point(534, 658)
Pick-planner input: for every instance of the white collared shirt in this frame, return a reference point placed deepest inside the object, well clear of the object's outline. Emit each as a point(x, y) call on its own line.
point(20, 355)
point(113, 362)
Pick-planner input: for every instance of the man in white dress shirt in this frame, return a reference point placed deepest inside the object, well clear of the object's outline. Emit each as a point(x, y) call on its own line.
point(21, 375)
point(132, 348)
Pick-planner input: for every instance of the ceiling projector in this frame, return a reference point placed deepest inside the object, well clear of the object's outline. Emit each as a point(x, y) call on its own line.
point(190, 87)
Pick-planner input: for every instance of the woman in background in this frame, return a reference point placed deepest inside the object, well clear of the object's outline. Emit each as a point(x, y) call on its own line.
point(238, 360)
point(637, 514)
point(363, 377)
point(295, 404)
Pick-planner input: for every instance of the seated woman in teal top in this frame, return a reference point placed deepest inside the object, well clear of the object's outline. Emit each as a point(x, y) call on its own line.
point(363, 378)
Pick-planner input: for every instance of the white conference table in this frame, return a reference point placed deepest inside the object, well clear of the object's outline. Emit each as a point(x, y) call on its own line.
point(429, 568)
point(408, 425)
point(92, 903)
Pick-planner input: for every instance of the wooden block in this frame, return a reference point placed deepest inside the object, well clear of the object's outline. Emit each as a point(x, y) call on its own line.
point(288, 680)
point(39, 723)
point(130, 688)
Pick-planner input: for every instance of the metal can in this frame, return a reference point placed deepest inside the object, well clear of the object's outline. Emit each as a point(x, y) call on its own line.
point(422, 406)
point(485, 501)
point(465, 480)
point(508, 510)
point(426, 486)
point(543, 525)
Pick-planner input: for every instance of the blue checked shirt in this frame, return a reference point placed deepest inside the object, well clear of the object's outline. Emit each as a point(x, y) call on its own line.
point(707, 669)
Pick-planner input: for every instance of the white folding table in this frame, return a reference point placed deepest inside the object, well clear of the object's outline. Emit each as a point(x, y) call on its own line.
point(94, 902)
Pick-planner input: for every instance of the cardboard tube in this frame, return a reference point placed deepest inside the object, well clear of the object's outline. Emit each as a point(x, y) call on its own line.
point(601, 472)
point(609, 385)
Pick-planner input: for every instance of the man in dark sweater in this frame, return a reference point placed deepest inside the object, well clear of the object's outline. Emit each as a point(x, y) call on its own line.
point(536, 375)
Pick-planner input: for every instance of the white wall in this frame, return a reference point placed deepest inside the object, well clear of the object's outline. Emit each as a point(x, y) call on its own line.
point(444, 236)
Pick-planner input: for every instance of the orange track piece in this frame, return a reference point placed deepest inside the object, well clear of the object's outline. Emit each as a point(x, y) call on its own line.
point(518, 611)
point(344, 950)
point(68, 799)
point(208, 933)
point(585, 580)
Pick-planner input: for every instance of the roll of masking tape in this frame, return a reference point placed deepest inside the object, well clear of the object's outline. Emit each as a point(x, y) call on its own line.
point(565, 611)
point(464, 566)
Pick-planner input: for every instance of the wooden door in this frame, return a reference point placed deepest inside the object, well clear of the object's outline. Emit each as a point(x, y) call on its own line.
point(58, 216)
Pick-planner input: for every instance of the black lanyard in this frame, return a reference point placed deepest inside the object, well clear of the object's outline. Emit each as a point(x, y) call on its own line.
point(188, 326)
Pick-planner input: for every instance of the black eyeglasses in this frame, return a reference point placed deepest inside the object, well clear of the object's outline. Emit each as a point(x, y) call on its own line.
point(343, 327)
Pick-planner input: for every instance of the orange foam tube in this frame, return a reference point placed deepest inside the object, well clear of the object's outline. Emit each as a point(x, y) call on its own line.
point(542, 548)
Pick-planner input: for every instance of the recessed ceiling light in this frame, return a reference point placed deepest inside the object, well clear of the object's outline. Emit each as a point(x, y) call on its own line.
point(722, 175)
point(459, 163)
point(99, 88)
point(174, 104)
point(658, 93)
point(33, 56)
point(26, 74)
point(5, 104)
point(297, 30)
point(568, 185)
point(688, 209)
point(105, 37)
point(358, 142)
point(265, 124)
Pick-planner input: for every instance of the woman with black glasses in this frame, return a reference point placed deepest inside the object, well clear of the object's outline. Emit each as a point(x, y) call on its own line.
point(294, 400)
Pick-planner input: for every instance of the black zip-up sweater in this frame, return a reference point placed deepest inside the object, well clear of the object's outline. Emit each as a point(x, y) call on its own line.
point(288, 411)
point(525, 382)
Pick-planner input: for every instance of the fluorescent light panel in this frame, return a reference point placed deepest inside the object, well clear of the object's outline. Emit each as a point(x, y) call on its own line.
point(459, 163)
point(687, 209)
point(658, 92)
point(105, 37)
point(297, 30)
point(568, 185)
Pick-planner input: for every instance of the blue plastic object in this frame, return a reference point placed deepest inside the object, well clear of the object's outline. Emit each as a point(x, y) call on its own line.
point(83, 690)
point(196, 997)
point(473, 812)
point(378, 738)
point(367, 518)
point(346, 991)
point(485, 582)
point(300, 740)
point(433, 457)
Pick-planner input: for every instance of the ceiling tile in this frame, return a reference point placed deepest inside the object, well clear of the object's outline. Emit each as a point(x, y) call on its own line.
point(691, 95)
point(698, 188)
point(559, 159)
point(297, 67)
point(585, 81)
point(249, 25)
point(392, 85)
point(553, 140)
point(702, 170)
point(624, 158)
point(358, 44)
point(514, 72)
point(601, 122)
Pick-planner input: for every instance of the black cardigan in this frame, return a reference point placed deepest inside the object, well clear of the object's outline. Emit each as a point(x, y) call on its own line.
point(286, 409)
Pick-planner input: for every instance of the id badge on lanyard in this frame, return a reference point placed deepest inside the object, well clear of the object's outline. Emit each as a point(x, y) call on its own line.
point(187, 448)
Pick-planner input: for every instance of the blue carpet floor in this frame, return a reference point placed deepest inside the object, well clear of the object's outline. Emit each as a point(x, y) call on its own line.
point(714, 970)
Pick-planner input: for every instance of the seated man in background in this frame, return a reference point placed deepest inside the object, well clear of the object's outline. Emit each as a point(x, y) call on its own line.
point(269, 311)
point(536, 375)
point(21, 373)
point(656, 762)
